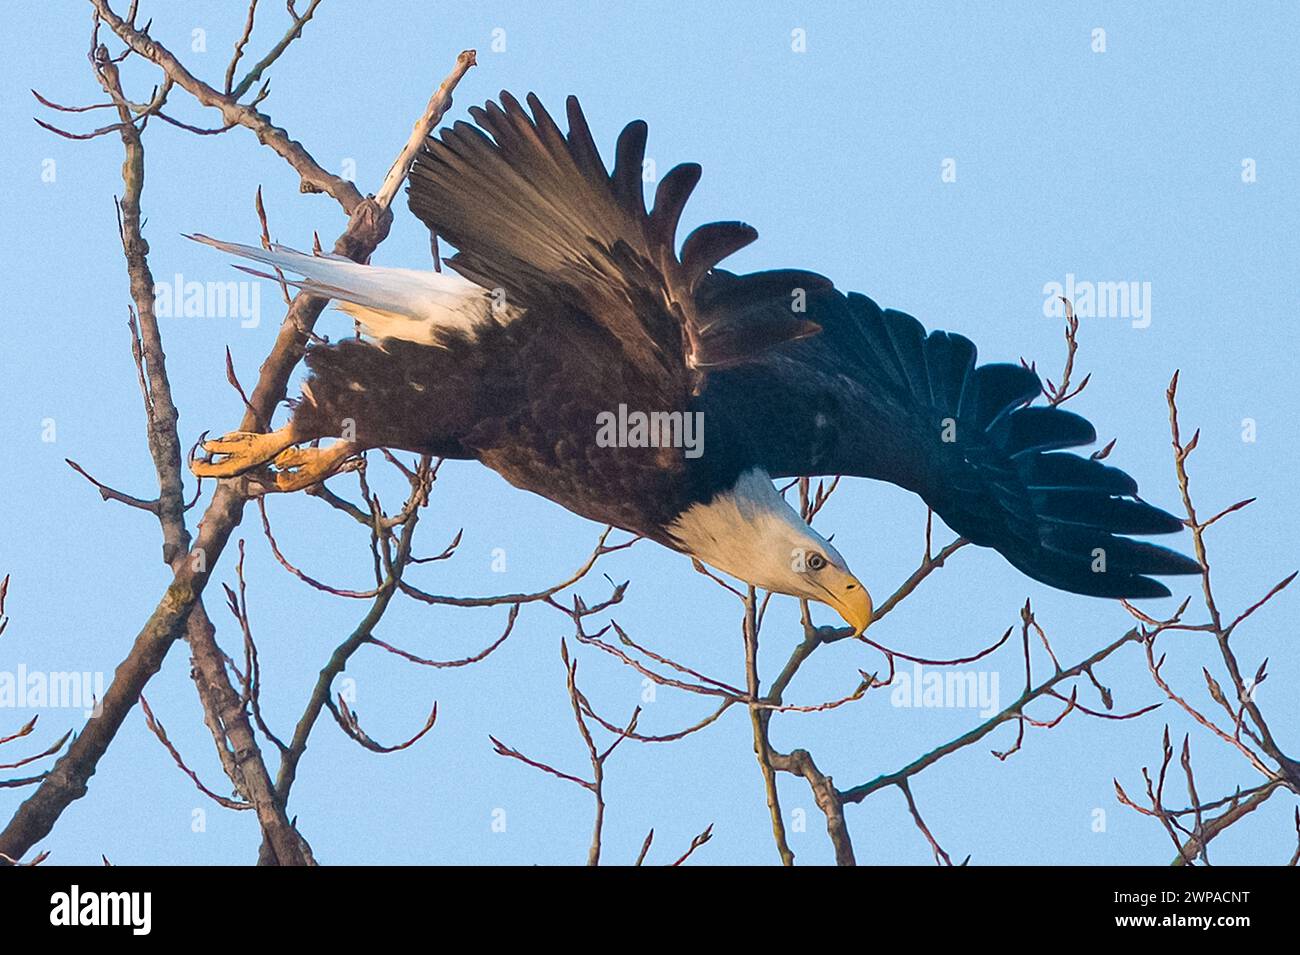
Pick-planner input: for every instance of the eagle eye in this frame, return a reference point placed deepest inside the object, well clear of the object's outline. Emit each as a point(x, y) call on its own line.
point(815, 561)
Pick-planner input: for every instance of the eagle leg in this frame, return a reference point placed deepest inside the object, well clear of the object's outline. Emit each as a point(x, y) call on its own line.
point(241, 451)
point(298, 468)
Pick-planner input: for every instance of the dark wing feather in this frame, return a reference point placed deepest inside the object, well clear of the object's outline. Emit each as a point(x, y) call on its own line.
point(874, 396)
point(534, 212)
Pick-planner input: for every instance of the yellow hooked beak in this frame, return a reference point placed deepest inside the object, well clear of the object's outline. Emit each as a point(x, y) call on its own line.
point(853, 603)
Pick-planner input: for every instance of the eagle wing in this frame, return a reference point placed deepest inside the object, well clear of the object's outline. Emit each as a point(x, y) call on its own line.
point(875, 396)
point(535, 213)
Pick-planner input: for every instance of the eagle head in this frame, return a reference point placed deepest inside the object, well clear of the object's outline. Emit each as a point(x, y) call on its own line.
point(750, 532)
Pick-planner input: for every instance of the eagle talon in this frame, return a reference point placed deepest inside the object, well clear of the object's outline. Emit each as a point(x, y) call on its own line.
point(298, 468)
point(294, 457)
point(241, 451)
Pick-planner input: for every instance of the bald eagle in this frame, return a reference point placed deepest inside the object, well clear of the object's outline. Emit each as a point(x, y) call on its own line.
point(571, 307)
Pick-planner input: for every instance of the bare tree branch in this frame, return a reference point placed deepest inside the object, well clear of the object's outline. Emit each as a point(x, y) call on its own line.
point(368, 225)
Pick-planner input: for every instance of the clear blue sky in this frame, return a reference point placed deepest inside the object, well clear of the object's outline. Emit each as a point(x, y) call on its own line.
point(1117, 166)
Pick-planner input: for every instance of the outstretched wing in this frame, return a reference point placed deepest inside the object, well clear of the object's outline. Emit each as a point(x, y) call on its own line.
point(874, 396)
point(535, 213)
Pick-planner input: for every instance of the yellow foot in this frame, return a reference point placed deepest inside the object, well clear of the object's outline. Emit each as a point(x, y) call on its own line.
point(297, 468)
point(241, 451)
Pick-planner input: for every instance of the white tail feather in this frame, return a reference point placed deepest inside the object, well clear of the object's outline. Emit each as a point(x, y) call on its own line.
point(389, 303)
